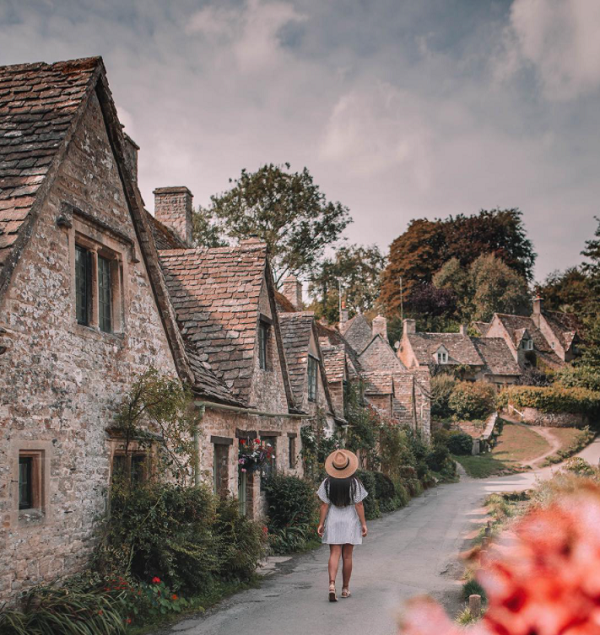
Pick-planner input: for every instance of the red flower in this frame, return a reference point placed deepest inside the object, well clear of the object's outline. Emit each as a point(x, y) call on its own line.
point(174, 597)
point(128, 620)
point(155, 580)
point(242, 442)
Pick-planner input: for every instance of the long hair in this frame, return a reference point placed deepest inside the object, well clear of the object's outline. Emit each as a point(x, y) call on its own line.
point(341, 491)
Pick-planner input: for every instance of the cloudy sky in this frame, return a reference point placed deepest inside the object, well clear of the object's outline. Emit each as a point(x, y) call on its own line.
point(400, 108)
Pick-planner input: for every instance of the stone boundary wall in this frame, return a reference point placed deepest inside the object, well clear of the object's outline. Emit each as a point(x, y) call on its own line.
point(535, 417)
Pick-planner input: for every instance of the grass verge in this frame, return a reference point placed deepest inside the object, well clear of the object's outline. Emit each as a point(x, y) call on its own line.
point(572, 440)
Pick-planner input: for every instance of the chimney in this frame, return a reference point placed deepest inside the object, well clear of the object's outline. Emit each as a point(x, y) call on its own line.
point(131, 156)
point(292, 290)
point(462, 329)
point(410, 326)
point(380, 327)
point(537, 310)
point(344, 315)
point(173, 208)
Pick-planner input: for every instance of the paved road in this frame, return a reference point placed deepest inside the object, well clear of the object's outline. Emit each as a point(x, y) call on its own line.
point(410, 552)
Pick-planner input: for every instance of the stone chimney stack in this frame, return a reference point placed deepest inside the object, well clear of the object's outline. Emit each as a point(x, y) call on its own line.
point(173, 208)
point(462, 329)
point(292, 290)
point(344, 315)
point(410, 326)
point(537, 311)
point(380, 327)
point(131, 150)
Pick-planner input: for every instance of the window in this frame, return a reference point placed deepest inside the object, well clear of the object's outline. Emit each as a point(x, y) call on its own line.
point(442, 357)
point(263, 340)
point(269, 467)
point(104, 295)
point(292, 450)
point(30, 479)
point(312, 378)
point(527, 344)
point(83, 285)
point(221, 469)
point(25, 482)
point(132, 468)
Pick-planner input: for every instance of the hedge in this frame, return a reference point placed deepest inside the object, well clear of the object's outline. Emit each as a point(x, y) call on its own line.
point(472, 400)
point(552, 399)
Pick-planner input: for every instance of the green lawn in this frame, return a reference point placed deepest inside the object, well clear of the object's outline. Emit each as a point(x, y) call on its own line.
point(516, 445)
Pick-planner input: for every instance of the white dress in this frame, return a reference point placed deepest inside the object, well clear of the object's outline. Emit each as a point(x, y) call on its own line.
point(342, 525)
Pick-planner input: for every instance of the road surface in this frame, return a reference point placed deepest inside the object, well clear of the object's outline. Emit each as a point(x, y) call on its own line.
point(409, 552)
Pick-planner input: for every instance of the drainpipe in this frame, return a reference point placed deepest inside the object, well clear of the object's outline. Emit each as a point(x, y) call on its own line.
point(199, 417)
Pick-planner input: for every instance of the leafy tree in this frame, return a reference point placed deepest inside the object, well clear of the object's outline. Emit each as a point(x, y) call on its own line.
point(357, 270)
point(426, 246)
point(486, 287)
point(286, 210)
point(568, 291)
point(592, 267)
point(434, 309)
point(204, 232)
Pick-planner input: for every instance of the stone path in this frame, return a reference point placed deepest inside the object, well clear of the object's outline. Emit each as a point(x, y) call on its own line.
point(410, 552)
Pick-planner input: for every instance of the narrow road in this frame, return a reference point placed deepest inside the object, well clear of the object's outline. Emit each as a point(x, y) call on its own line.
point(410, 552)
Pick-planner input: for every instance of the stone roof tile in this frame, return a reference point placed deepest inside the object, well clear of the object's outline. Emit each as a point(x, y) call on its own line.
point(296, 329)
point(497, 356)
point(461, 349)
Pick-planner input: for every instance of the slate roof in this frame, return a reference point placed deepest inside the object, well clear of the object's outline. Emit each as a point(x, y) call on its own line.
point(461, 349)
point(517, 325)
point(357, 332)
point(334, 359)
point(38, 105)
point(330, 337)
point(283, 304)
point(296, 329)
point(564, 326)
point(497, 356)
point(481, 327)
point(216, 294)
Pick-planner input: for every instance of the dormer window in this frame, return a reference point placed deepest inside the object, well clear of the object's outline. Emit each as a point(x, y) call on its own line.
point(441, 356)
point(527, 344)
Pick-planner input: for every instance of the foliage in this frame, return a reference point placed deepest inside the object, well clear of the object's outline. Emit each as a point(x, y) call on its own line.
point(592, 266)
point(472, 400)
point(438, 457)
point(204, 232)
point(442, 386)
point(583, 438)
point(434, 308)
point(590, 348)
point(253, 454)
point(316, 447)
point(158, 412)
point(473, 587)
point(395, 451)
point(426, 246)
point(568, 291)
point(579, 467)
point(460, 443)
point(285, 210)
point(291, 511)
point(72, 609)
point(363, 421)
point(357, 270)
point(580, 376)
point(484, 287)
point(370, 503)
point(553, 399)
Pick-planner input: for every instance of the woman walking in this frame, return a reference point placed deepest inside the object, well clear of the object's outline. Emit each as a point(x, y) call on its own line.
point(342, 521)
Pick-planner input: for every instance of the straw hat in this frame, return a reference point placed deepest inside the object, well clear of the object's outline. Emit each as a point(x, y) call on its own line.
point(341, 464)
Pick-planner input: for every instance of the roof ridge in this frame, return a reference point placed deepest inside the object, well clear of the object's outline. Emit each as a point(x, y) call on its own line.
point(89, 62)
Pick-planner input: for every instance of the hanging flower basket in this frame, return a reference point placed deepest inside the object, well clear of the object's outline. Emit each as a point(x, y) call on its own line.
point(253, 454)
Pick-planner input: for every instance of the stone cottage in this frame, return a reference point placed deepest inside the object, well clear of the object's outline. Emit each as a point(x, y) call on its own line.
point(485, 359)
point(84, 309)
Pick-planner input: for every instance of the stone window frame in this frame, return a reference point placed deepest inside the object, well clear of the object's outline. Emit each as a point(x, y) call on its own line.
point(101, 243)
point(116, 446)
point(312, 377)
point(264, 342)
point(40, 452)
point(292, 450)
point(221, 488)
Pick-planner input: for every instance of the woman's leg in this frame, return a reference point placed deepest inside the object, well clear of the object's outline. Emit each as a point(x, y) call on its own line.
point(347, 552)
point(335, 551)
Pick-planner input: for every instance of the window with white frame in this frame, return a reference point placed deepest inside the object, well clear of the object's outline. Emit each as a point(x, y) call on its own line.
point(442, 357)
point(527, 344)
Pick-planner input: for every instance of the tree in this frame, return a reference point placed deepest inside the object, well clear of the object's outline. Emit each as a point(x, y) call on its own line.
point(354, 269)
point(286, 210)
point(592, 267)
point(567, 291)
point(204, 232)
point(433, 308)
point(486, 287)
point(421, 251)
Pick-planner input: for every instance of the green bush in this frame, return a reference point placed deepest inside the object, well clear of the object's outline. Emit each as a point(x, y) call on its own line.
point(460, 443)
point(579, 377)
point(437, 458)
point(472, 400)
point(472, 587)
point(291, 511)
point(441, 389)
point(552, 399)
point(371, 503)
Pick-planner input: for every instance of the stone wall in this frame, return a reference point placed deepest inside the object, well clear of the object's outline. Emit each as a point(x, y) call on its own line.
point(61, 382)
point(535, 417)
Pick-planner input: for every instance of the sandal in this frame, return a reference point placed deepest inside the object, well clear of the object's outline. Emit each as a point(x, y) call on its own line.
point(332, 594)
point(346, 592)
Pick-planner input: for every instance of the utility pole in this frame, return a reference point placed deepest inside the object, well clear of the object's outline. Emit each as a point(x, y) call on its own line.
point(339, 280)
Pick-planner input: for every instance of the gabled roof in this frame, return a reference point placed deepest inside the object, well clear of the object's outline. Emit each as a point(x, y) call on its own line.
point(334, 338)
point(357, 332)
point(296, 329)
point(497, 356)
point(40, 105)
point(564, 325)
point(283, 304)
point(460, 348)
point(380, 356)
point(481, 327)
point(164, 238)
point(216, 294)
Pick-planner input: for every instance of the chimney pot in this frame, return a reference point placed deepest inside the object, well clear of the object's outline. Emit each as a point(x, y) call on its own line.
point(173, 207)
point(292, 290)
point(462, 329)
